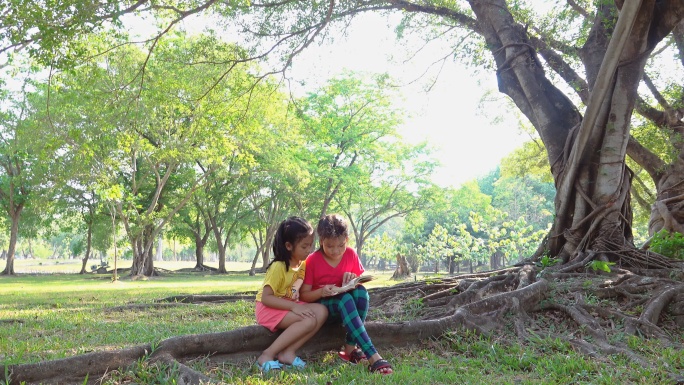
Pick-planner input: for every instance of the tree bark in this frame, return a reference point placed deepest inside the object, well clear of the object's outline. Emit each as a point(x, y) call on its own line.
point(12, 246)
point(199, 253)
point(402, 269)
point(143, 261)
point(89, 243)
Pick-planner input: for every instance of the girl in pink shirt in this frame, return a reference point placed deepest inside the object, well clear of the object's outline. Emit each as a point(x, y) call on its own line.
point(335, 264)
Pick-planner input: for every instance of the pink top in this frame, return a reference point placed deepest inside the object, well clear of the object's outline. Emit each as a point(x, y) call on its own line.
point(319, 272)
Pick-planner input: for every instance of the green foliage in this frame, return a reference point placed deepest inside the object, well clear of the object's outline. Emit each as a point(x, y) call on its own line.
point(670, 244)
point(467, 225)
point(547, 261)
point(413, 307)
point(380, 247)
point(529, 160)
point(77, 245)
point(597, 265)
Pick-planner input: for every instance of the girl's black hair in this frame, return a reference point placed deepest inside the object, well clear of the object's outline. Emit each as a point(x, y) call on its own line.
point(332, 226)
point(291, 230)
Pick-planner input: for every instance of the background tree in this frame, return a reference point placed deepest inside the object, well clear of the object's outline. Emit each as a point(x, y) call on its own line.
point(380, 250)
point(160, 131)
point(23, 160)
point(346, 122)
point(440, 246)
point(192, 223)
point(394, 183)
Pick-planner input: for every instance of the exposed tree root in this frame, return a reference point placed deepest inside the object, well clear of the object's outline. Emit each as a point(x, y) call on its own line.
point(11, 321)
point(186, 375)
point(595, 309)
point(144, 306)
point(184, 300)
point(199, 268)
point(208, 298)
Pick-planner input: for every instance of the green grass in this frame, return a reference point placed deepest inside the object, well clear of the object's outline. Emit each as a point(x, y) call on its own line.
point(72, 266)
point(53, 316)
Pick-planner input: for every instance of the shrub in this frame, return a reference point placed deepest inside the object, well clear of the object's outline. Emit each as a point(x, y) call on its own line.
point(668, 244)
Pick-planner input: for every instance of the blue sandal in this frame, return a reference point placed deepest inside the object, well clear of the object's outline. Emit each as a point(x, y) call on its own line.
point(268, 366)
point(298, 364)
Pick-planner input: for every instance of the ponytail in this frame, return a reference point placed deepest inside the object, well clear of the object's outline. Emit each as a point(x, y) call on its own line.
point(291, 230)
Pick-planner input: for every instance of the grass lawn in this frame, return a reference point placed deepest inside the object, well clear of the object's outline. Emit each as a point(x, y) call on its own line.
point(49, 316)
point(73, 266)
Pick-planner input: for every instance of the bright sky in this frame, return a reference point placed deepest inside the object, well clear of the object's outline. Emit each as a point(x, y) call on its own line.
point(467, 144)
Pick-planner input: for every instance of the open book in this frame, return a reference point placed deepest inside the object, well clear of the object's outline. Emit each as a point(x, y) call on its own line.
point(352, 284)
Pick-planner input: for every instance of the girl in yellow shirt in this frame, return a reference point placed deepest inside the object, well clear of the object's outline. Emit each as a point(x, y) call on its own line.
point(277, 301)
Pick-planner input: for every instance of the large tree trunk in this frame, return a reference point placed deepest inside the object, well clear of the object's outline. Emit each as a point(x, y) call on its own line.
point(667, 210)
point(495, 260)
point(359, 249)
point(143, 261)
point(221, 244)
point(201, 229)
point(252, 269)
point(593, 207)
point(587, 155)
point(159, 252)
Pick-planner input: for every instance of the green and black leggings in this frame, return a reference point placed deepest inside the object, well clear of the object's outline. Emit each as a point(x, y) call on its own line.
point(351, 308)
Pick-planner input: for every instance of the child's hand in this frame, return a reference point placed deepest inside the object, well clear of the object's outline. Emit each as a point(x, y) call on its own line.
point(295, 294)
point(303, 310)
point(327, 291)
point(346, 277)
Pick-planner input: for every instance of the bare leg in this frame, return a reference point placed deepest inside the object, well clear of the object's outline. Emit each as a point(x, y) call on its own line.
point(289, 353)
point(297, 330)
point(349, 348)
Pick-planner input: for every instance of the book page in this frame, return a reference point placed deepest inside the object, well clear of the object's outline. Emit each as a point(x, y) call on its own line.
point(352, 284)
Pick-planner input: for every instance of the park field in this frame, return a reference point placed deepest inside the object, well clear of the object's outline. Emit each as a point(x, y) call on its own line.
point(51, 316)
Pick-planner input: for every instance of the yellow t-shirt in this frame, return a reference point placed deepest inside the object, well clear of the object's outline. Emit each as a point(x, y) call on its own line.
point(281, 281)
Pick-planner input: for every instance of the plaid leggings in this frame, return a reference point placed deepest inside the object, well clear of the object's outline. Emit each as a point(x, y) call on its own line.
point(351, 308)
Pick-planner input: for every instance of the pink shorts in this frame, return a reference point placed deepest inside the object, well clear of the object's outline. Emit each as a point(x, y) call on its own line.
point(268, 316)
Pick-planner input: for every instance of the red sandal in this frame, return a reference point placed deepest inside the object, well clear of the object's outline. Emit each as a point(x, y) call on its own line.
point(380, 366)
point(354, 357)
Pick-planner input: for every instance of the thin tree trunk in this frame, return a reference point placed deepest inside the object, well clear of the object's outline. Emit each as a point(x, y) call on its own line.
point(359, 249)
point(159, 255)
point(199, 256)
point(29, 253)
point(89, 240)
point(252, 270)
point(14, 233)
